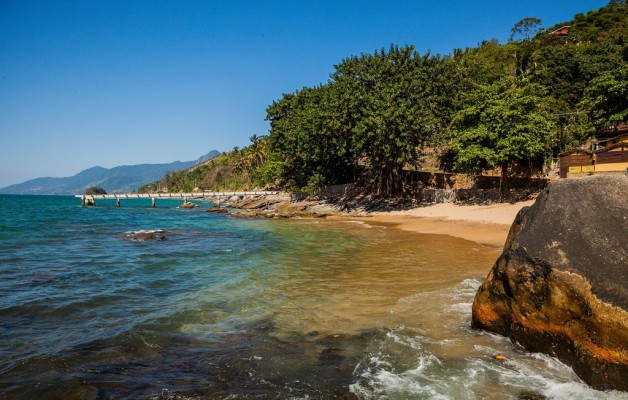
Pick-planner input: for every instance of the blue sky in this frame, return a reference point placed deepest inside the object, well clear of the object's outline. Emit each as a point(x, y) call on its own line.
point(85, 83)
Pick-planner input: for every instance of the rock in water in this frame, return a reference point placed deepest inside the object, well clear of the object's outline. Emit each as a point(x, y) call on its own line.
point(147, 235)
point(561, 284)
point(217, 210)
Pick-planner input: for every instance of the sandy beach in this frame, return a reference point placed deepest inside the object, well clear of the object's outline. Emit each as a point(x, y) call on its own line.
point(485, 224)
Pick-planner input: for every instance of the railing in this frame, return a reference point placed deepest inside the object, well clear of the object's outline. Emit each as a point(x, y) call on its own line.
point(90, 199)
point(182, 195)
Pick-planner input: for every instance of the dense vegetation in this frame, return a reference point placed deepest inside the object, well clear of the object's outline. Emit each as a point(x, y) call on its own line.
point(491, 107)
point(238, 169)
point(95, 190)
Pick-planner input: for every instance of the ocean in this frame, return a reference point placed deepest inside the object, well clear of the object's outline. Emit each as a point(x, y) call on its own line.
point(222, 307)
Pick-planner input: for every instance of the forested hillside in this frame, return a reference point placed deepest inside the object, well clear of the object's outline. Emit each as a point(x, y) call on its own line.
point(234, 170)
point(492, 107)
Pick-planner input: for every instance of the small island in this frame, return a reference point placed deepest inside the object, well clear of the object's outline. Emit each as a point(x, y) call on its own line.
point(94, 190)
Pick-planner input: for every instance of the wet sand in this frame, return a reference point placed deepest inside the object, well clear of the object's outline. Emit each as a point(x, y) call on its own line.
point(484, 224)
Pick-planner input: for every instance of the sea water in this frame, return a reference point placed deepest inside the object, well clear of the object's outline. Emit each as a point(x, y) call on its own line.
point(237, 308)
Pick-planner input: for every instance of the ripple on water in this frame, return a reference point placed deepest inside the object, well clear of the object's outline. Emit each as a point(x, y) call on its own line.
point(245, 308)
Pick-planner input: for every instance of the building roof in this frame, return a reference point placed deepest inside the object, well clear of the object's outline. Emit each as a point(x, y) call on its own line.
point(562, 31)
point(621, 145)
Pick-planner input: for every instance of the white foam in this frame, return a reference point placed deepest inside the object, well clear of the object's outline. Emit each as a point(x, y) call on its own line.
point(144, 231)
point(412, 342)
point(383, 383)
point(580, 391)
point(378, 383)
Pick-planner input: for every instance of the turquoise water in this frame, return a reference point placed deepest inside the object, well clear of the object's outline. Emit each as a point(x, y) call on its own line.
point(234, 308)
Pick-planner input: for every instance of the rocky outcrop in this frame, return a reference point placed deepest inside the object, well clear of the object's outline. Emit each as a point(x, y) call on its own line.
point(561, 284)
point(281, 206)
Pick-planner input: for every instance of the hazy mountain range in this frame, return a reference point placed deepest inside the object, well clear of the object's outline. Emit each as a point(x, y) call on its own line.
point(122, 179)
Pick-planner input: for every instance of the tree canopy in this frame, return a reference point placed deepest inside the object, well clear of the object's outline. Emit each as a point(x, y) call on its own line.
point(374, 116)
point(606, 98)
point(525, 28)
point(502, 124)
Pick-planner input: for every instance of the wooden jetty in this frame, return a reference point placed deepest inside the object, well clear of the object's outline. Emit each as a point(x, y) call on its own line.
point(90, 199)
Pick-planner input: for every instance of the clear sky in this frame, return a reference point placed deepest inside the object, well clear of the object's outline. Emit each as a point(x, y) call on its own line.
point(85, 83)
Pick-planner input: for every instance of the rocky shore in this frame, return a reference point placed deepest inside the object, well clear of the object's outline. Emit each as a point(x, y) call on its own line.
point(282, 206)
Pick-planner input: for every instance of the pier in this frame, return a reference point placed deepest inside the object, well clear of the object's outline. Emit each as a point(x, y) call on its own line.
point(90, 199)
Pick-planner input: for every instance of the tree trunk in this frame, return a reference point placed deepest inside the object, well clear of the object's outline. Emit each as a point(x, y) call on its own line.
point(398, 180)
point(503, 182)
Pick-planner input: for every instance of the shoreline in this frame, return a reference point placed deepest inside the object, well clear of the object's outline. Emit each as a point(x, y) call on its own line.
point(487, 225)
point(485, 234)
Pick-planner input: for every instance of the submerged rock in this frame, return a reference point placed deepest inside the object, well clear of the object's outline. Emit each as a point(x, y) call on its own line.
point(561, 284)
point(188, 204)
point(147, 235)
point(331, 356)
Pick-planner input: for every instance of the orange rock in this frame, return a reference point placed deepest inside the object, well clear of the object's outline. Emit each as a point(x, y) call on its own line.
point(561, 284)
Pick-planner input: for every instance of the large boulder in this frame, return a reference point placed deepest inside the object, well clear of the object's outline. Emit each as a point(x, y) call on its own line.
point(561, 284)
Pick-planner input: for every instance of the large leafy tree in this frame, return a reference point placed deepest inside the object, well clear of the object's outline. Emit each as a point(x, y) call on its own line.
point(399, 106)
point(374, 116)
point(501, 125)
point(310, 138)
point(524, 29)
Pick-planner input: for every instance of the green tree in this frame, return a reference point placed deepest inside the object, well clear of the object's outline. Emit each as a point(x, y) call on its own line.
point(606, 99)
point(503, 124)
point(311, 137)
point(399, 101)
point(257, 152)
point(394, 89)
point(525, 28)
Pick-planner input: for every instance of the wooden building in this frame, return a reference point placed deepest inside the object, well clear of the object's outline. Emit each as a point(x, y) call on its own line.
point(563, 31)
point(608, 153)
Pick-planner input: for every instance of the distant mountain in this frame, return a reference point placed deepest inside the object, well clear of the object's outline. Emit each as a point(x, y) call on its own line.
point(208, 156)
point(122, 179)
